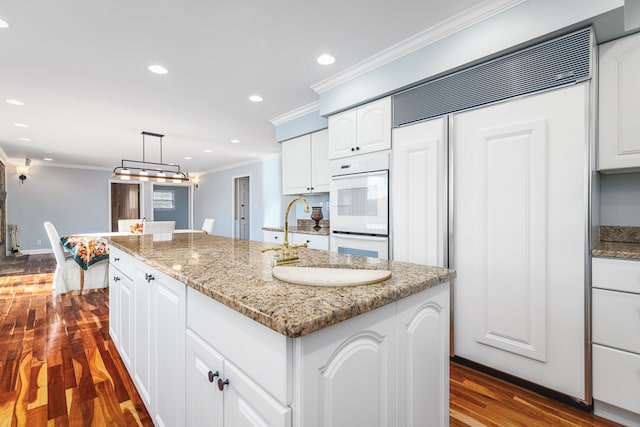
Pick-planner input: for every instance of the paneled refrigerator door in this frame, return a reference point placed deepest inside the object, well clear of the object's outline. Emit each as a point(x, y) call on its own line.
point(418, 193)
point(519, 237)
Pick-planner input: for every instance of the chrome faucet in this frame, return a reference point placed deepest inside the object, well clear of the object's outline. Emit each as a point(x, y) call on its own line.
point(288, 254)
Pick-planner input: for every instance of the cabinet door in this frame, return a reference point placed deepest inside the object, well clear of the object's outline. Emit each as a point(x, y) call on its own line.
point(419, 185)
point(619, 97)
point(520, 182)
point(320, 162)
point(374, 126)
point(248, 404)
point(125, 314)
point(204, 367)
point(342, 134)
point(273, 236)
point(143, 333)
point(423, 365)
point(296, 165)
point(168, 357)
point(114, 305)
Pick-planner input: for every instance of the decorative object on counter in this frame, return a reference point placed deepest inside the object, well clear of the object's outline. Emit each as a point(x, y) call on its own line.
point(161, 172)
point(316, 215)
point(288, 254)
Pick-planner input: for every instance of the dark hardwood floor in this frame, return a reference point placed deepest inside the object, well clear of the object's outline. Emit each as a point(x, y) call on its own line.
point(58, 366)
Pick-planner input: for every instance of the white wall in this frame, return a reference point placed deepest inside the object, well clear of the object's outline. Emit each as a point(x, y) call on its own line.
point(214, 197)
point(74, 200)
point(620, 199)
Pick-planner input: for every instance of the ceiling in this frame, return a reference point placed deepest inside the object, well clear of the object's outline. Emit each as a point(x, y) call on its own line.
point(80, 67)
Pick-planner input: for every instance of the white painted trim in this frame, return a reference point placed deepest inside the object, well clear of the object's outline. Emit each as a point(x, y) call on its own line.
point(443, 29)
point(237, 165)
point(294, 114)
point(234, 224)
point(39, 163)
point(36, 251)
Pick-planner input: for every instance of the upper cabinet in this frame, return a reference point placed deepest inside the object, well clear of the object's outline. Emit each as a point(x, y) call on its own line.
point(305, 164)
point(362, 130)
point(619, 97)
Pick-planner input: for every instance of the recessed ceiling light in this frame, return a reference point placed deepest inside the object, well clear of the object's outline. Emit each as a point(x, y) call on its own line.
point(326, 59)
point(208, 151)
point(21, 125)
point(48, 159)
point(255, 98)
point(187, 158)
point(158, 69)
point(14, 102)
point(25, 139)
point(4, 24)
point(235, 141)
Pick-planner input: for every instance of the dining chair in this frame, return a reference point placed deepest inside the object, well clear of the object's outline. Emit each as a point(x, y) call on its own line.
point(123, 224)
point(207, 226)
point(67, 275)
point(159, 227)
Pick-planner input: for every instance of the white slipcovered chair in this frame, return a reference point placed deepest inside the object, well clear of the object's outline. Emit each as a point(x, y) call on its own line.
point(159, 227)
point(208, 224)
point(67, 275)
point(123, 224)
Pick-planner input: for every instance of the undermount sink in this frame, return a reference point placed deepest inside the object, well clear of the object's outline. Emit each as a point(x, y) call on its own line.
point(327, 276)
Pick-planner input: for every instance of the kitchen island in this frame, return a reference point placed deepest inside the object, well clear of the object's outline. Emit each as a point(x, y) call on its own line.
point(255, 350)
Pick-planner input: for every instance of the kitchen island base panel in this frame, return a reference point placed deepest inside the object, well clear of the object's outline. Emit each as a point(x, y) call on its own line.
point(618, 415)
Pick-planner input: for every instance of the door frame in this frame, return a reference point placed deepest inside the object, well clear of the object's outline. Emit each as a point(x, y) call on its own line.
point(234, 223)
point(121, 181)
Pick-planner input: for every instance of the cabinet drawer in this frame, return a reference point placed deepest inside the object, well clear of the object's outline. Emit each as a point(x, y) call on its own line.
point(616, 377)
point(616, 319)
point(273, 236)
point(123, 262)
point(313, 241)
point(616, 274)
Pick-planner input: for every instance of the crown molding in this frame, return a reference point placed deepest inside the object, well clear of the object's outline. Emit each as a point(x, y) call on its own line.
point(40, 163)
point(294, 114)
point(239, 164)
point(456, 23)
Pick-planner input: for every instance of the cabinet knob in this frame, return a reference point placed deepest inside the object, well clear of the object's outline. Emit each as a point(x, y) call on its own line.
point(275, 237)
point(148, 277)
point(353, 149)
point(116, 259)
point(312, 188)
point(308, 241)
point(212, 375)
point(221, 383)
point(116, 278)
point(357, 148)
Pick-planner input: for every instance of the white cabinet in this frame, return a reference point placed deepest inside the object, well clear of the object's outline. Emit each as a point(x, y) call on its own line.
point(305, 164)
point(361, 130)
point(419, 187)
point(313, 241)
point(204, 401)
point(121, 306)
point(519, 236)
point(616, 339)
point(158, 330)
point(396, 356)
point(619, 98)
point(276, 237)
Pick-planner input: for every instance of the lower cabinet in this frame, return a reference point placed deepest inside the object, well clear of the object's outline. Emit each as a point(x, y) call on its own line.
point(313, 241)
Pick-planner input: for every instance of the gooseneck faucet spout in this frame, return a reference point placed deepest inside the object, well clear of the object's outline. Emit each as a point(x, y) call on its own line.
point(286, 217)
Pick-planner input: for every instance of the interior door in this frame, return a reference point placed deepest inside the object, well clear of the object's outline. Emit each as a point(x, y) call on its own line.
point(519, 236)
point(125, 202)
point(242, 208)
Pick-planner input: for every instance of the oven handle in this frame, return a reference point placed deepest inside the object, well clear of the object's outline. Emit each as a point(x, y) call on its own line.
point(360, 236)
point(360, 174)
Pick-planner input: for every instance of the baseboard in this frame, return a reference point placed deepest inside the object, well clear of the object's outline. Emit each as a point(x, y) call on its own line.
point(36, 251)
point(537, 388)
point(615, 414)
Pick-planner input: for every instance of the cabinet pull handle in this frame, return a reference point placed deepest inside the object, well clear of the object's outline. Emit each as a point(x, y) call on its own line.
point(116, 278)
point(116, 259)
point(148, 277)
point(212, 375)
point(221, 383)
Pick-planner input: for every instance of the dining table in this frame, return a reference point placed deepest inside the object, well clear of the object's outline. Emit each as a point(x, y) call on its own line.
point(86, 251)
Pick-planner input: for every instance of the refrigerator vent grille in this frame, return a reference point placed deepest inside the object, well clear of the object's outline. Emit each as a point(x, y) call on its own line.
point(553, 63)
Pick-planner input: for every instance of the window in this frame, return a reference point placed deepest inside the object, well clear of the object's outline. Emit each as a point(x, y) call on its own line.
point(164, 199)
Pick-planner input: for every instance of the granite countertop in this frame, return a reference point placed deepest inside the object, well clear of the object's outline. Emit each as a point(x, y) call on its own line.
point(304, 226)
point(618, 242)
point(235, 273)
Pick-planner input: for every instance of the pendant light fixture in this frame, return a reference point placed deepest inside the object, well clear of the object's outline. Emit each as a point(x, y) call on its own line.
point(145, 171)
